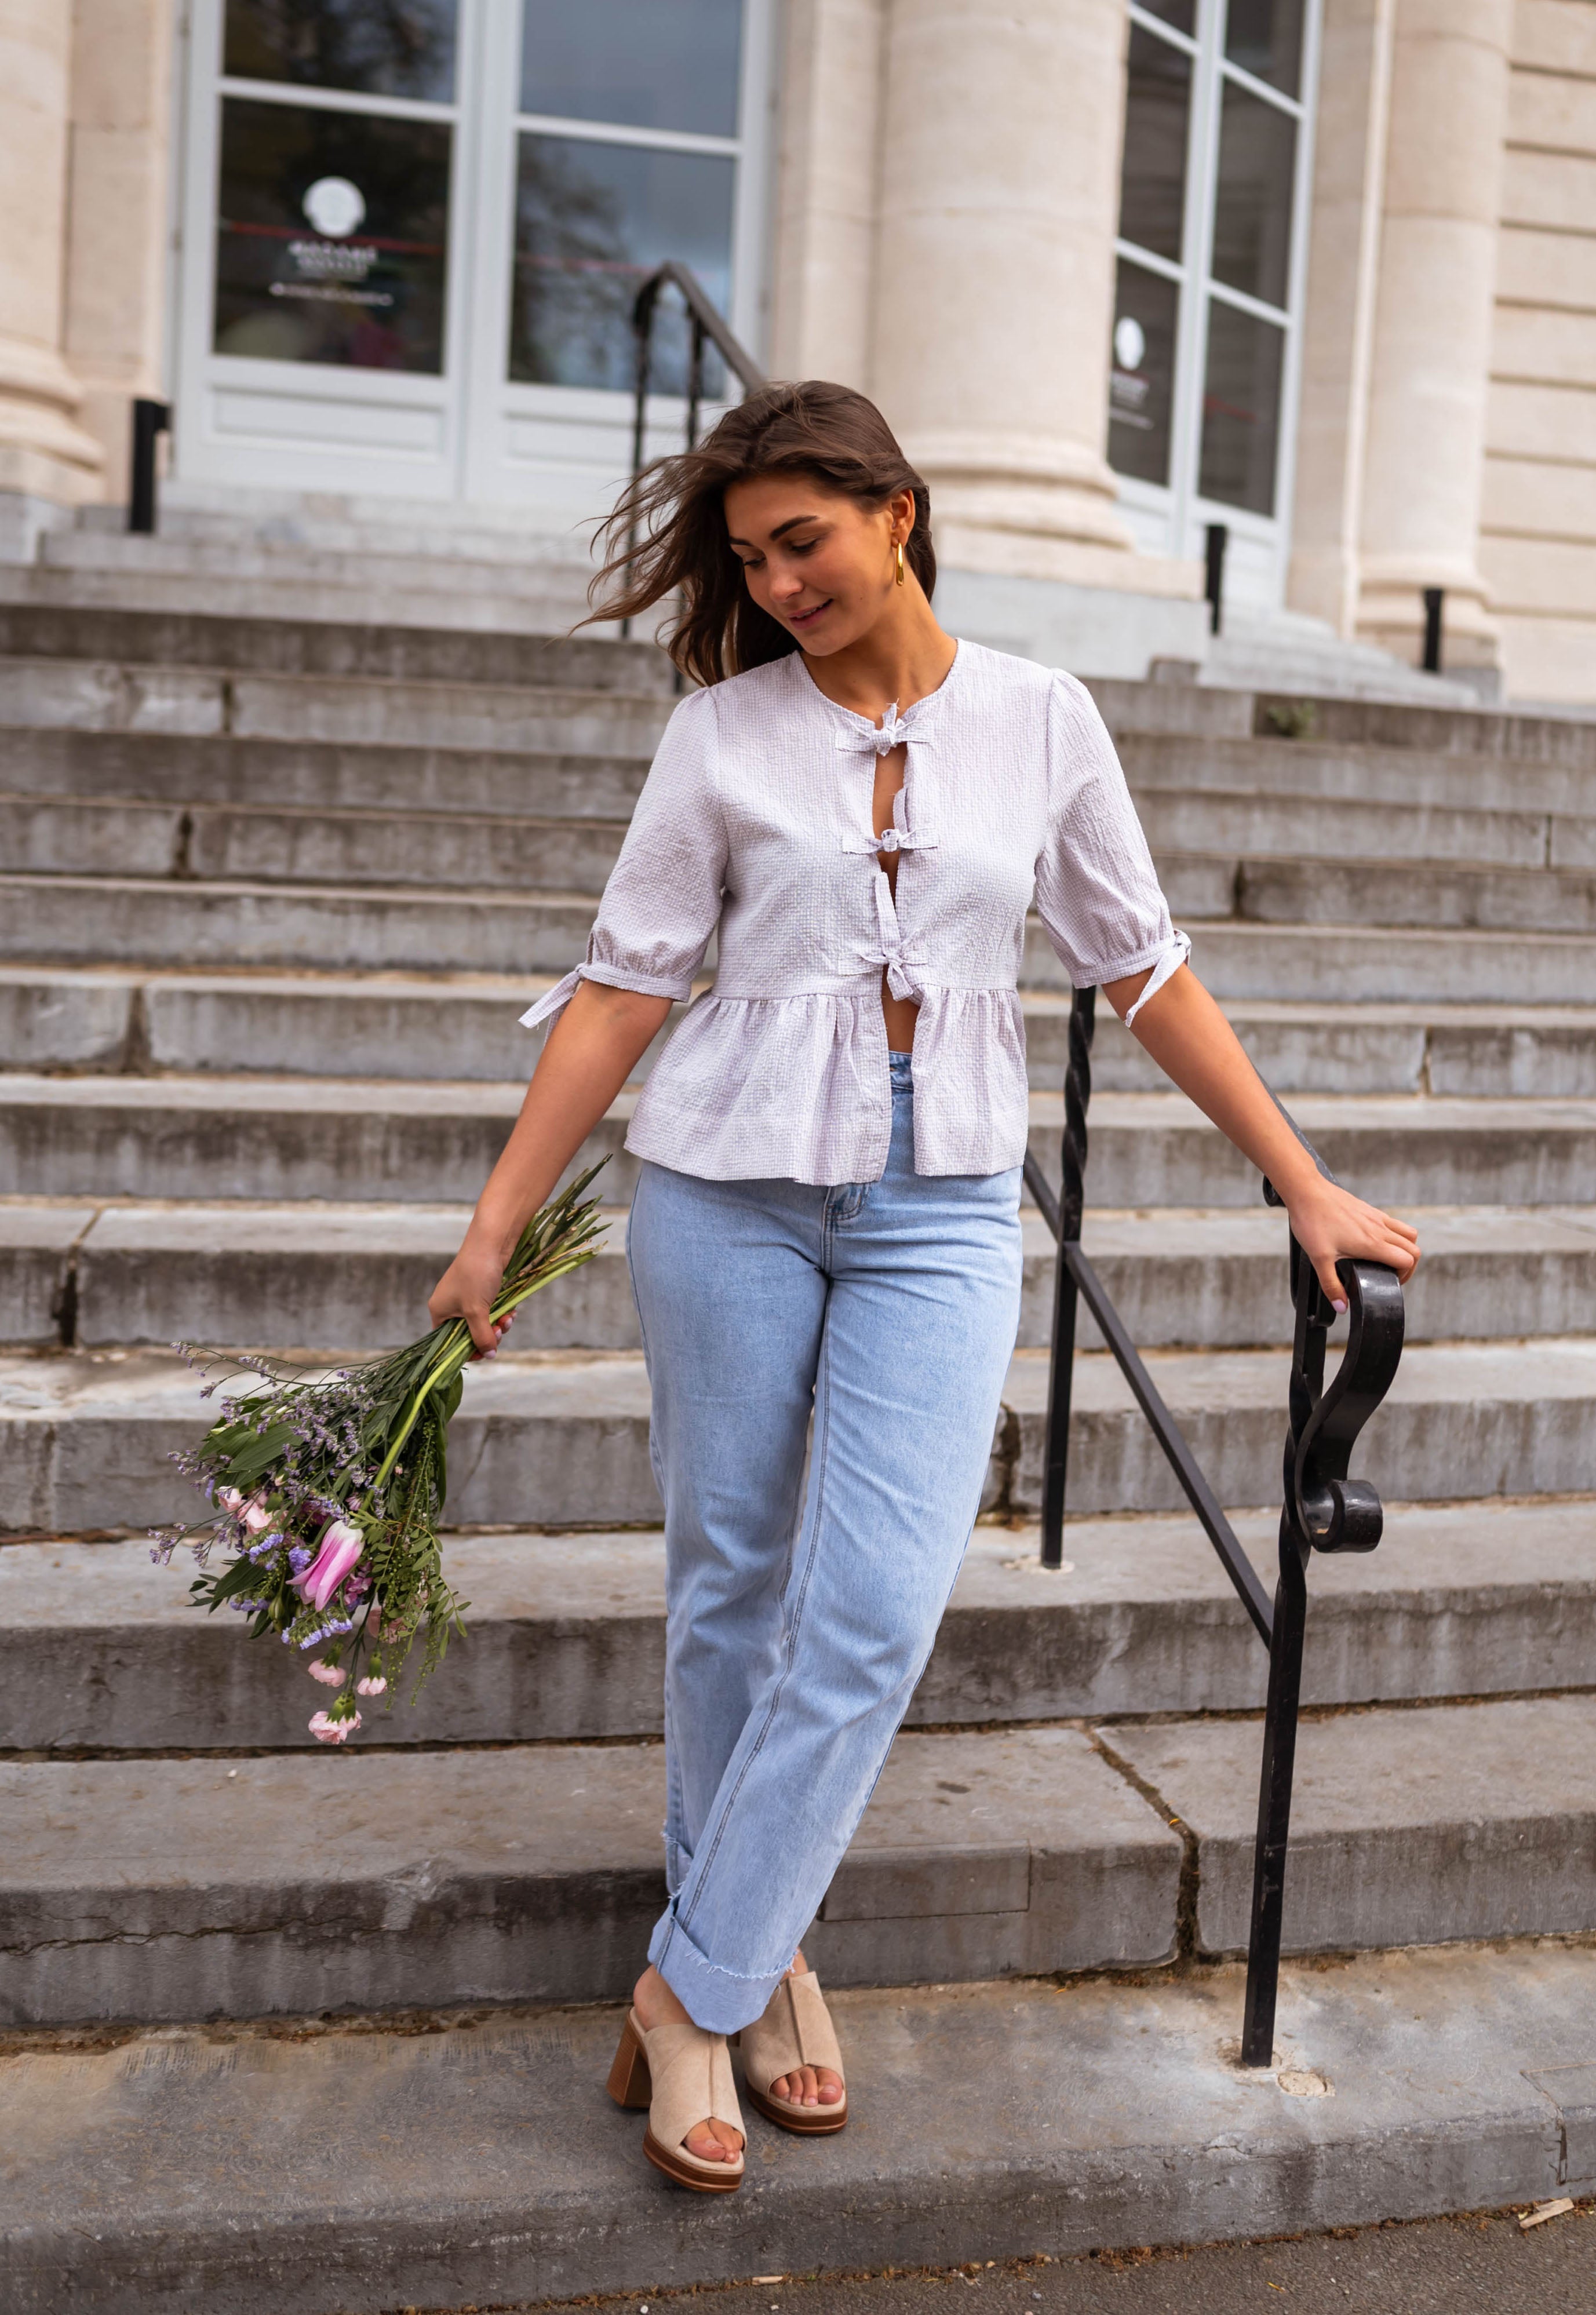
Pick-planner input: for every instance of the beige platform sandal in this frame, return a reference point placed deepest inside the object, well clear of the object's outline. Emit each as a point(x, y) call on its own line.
point(796, 2030)
point(683, 2075)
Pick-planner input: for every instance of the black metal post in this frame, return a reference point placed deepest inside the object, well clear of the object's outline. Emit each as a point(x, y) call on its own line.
point(1217, 539)
point(1322, 1509)
point(695, 380)
point(1434, 597)
point(149, 419)
point(1077, 1095)
point(643, 332)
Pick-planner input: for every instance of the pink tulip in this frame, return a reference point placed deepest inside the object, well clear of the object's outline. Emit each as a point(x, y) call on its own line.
point(328, 1731)
point(340, 1547)
point(328, 1674)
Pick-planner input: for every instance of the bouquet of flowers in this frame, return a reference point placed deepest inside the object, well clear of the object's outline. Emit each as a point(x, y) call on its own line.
point(327, 1488)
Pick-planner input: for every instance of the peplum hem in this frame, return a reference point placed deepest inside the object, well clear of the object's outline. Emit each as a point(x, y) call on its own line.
point(754, 1087)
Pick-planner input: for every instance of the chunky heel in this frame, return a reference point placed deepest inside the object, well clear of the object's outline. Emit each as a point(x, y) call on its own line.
point(629, 2081)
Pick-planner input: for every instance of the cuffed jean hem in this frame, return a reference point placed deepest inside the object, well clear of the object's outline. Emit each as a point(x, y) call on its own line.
point(715, 1998)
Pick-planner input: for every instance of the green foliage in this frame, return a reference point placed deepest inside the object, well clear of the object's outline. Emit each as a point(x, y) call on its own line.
point(307, 1460)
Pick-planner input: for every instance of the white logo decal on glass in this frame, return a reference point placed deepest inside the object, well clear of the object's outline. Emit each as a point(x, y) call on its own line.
point(335, 206)
point(1129, 338)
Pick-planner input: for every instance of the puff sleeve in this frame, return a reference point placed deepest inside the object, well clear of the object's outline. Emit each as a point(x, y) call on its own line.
point(1097, 891)
point(662, 901)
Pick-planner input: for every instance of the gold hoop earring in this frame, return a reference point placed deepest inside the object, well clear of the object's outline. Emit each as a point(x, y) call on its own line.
point(898, 562)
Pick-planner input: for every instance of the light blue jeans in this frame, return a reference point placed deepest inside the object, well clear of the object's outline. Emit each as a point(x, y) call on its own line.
point(888, 1308)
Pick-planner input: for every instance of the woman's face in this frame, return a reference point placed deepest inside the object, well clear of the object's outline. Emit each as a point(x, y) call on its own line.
point(818, 560)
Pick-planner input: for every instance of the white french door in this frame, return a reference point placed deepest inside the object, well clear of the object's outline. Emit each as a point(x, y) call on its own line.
point(411, 230)
point(1212, 267)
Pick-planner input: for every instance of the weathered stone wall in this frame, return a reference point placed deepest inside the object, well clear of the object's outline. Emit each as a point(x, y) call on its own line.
point(1538, 542)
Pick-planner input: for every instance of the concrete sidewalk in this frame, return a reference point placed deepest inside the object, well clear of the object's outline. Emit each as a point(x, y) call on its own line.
point(287, 2174)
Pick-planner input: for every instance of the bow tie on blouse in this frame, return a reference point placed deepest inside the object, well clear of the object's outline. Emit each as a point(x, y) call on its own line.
point(878, 739)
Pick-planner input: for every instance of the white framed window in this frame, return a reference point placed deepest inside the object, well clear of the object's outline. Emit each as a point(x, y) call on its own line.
point(413, 230)
point(1211, 262)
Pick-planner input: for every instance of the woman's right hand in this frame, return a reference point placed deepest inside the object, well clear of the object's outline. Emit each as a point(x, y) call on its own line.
point(467, 1290)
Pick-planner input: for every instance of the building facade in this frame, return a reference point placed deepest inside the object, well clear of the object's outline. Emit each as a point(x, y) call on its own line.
point(1320, 271)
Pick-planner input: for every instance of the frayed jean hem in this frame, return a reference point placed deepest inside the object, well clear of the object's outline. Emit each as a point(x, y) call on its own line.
point(715, 1998)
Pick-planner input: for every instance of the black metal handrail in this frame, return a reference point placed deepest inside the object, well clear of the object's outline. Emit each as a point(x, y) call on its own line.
point(1323, 1510)
point(706, 326)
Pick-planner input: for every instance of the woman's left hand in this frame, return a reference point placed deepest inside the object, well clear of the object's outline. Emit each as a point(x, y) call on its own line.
point(1328, 1223)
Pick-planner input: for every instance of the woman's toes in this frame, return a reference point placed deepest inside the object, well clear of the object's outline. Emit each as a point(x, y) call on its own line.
point(712, 2142)
point(830, 2088)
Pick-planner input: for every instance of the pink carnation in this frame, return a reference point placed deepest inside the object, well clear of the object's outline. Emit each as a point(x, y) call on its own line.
point(340, 1547)
point(328, 1731)
point(328, 1674)
point(255, 1516)
point(372, 1685)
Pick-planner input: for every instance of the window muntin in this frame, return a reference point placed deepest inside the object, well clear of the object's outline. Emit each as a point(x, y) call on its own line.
point(1201, 414)
point(374, 48)
point(628, 153)
point(638, 64)
point(1264, 38)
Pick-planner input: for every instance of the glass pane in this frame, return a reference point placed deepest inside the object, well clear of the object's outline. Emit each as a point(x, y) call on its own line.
point(1141, 374)
point(1181, 13)
point(1241, 396)
point(331, 238)
point(1264, 38)
point(1153, 172)
point(1252, 244)
point(643, 64)
point(387, 47)
point(590, 221)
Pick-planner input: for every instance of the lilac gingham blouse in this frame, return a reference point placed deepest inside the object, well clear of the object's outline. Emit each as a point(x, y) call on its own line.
point(755, 822)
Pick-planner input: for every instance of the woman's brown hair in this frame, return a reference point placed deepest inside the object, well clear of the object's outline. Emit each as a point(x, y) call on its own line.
point(673, 513)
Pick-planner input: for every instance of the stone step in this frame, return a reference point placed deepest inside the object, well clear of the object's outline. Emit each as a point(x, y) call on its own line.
point(1455, 2087)
point(442, 850)
point(1439, 895)
point(197, 924)
point(68, 633)
point(180, 1888)
point(463, 1025)
point(1416, 1827)
point(358, 1277)
point(186, 769)
point(423, 1143)
point(343, 587)
point(560, 1439)
point(101, 1651)
point(466, 854)
point(1248, 849)
point(1555, 776)
point(360, 709)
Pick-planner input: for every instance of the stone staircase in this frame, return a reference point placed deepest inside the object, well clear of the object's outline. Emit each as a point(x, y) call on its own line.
point(274, 892)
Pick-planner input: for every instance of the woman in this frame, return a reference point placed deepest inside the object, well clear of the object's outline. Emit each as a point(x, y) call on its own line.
point(826, 1220)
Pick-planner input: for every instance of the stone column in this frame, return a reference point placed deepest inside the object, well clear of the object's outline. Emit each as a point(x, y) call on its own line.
point(1349, 181)
point(994, 281)
point(47, 460)
point(116, 271)
point(1430, 377)
point(825, 234)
